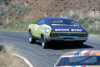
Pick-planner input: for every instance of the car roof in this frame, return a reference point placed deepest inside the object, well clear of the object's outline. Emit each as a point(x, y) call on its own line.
point(82, 53)
point(51, 18)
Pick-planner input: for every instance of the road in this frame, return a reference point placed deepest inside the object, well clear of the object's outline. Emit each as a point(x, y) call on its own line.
point(42, 57)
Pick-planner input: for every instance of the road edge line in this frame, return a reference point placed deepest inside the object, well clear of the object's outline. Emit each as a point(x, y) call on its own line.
point(25, 60)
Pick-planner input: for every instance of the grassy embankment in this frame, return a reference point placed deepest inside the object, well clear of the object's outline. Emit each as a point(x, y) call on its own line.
point(90, 23)
point(8, 59)
point(11, 18)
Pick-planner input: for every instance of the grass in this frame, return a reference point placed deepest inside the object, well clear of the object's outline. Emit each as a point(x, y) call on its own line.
point(89, 22)
point(8, 59)
point(20, 25)
point(12, 17)
point(22, 11)
point(17, 8)
point(1, 22)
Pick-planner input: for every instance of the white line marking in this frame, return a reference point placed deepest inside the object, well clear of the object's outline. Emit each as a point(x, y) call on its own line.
point(25, 60)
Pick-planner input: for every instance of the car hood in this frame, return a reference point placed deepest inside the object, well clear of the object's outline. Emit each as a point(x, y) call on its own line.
point(79, 66)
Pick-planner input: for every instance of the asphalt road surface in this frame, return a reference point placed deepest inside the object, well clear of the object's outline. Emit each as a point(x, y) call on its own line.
point(38, 56)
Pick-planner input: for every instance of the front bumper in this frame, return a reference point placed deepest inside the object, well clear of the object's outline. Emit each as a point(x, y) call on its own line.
point(68, 38)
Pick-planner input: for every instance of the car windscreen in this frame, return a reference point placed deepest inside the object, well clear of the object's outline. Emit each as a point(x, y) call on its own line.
point(80, 60)
point(63, 22)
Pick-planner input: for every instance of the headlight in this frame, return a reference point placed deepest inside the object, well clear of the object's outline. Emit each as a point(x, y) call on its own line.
point(47, 30)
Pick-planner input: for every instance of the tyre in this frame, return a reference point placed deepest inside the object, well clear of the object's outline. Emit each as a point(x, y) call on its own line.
point(44, 42)
point(79, 44)
point(31, 38)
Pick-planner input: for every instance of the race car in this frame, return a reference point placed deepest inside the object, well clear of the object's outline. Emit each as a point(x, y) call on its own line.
point(51, 29)
point(82, 58)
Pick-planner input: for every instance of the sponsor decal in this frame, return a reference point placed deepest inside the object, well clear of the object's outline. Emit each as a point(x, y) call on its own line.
point(88, 52)
point(62, 29)
point(77, 53)
point(76, 30)
point(73, 30)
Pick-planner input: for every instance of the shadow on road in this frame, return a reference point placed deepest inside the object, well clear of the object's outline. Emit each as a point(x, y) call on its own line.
point(62, 46)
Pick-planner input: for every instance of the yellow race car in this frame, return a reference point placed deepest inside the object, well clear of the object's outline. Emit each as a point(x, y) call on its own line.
point(57, 29)
point(83, 58)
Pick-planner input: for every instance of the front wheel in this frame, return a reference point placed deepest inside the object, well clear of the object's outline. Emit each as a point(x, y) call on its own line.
point(79, 44)
point(44, 42)
point(31, 38)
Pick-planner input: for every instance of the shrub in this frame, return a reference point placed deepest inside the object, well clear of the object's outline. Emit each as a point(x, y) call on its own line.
point(21, 11)
point(1, 22)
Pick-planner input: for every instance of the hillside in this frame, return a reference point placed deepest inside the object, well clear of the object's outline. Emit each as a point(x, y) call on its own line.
point(18, 14)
